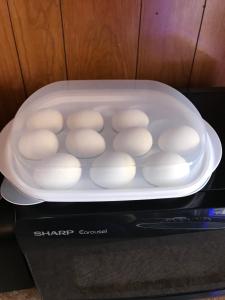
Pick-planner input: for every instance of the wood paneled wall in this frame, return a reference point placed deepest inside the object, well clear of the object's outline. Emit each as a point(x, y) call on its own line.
point(179, 42)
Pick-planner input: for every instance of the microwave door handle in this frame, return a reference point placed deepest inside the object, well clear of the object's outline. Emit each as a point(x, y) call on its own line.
point(182, 227)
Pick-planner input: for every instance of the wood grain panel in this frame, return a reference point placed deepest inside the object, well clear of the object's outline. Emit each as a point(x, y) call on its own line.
point(209, 63)
point(38, 32)
point(101, 38)
point(168, 37)
point(11, 85)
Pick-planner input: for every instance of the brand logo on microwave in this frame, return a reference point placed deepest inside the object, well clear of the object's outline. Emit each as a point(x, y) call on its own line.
point(93, 232)
point(53, 233)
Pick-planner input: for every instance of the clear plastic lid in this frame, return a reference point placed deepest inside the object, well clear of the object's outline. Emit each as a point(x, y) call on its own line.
point(75, 140)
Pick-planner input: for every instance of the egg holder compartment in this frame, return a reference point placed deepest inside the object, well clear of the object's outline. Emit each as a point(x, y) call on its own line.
point(109, 97)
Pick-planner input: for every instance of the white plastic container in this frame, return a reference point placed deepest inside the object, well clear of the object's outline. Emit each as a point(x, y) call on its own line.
point(141, 140)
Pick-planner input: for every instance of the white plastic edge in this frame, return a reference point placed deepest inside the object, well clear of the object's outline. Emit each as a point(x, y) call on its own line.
point(11, 194)
point(215, 144)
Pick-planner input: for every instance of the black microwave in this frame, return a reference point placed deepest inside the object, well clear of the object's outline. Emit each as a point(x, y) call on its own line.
point(149, 249)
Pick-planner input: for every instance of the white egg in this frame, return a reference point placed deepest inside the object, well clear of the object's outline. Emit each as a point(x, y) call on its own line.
point(62, 171)
point(45, 119)
point(180, 139)
point(135, 141)
point(129, 118)
point(166, 169)
point(85, 143)
point(113, 170)
point(38, 144)
point(85, 119)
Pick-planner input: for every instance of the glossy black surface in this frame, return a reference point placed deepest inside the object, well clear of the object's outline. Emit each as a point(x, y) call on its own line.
point(211, 105)
point(128, 224)
point(14, 273)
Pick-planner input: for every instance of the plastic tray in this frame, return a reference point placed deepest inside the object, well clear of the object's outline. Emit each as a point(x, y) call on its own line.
point(167, 110)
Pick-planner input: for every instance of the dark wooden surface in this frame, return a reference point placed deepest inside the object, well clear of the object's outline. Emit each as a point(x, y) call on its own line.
point(11, 84)
point(209, 64)
point(39, 40)
point(168, 35)
point(101, 38)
